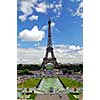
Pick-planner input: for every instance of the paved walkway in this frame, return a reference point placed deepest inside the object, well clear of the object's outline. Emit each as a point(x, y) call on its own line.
point(51, 97)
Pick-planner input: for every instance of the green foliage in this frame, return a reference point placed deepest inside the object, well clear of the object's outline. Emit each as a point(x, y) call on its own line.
point(24, 72)
point(71, 97)
point(71, 83)
point(32, 96)
point(65, 70)
point(30, 83)
point(28, 66)
point(69, 68)
point(49, 67)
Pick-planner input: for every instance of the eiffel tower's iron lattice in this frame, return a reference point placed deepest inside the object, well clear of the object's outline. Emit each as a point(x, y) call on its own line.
point(49, 49)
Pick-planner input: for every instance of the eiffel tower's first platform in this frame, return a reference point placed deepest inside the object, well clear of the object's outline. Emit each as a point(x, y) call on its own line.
point(49, 49)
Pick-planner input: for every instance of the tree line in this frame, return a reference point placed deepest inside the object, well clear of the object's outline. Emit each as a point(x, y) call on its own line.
point(28, 66)
point(71, 68)
point(66, 68)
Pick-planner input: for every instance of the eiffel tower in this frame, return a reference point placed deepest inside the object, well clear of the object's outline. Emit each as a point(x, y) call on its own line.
point(49, 49)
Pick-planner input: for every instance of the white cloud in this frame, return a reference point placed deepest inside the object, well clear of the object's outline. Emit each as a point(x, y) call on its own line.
point(55, 10)
point(18, 44)
point(26, 7)
point(70, 10)
point(45, 27)
point(73, 47)
point(58, 6)
point(58, 14)
point(33, 17)
point(57, 30)
point(32, 35)
point(51, 6)
point(79, 11)
point(63, 53)
point(41, 7)
point(52, 24)
point(37, 44)
point(80, 51)
point(29, 55)
point(34, 1)
point(22, 17)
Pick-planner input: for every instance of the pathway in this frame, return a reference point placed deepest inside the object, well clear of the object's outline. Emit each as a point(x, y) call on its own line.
point(51, 97)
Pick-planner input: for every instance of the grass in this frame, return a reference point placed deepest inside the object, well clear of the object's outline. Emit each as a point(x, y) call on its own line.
point(19, 90)
point(30, 83)
point(71, 83)
point(32, 96)
point(71, 97)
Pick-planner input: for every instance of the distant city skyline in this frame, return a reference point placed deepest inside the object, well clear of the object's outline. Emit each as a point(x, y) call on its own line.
point(67, 30)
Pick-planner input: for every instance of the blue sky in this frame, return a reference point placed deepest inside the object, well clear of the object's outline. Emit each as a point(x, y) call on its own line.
point(68, 24)
point(67, 30)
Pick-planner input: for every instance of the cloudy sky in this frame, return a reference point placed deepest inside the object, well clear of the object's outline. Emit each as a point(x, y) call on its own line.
point(32, 20)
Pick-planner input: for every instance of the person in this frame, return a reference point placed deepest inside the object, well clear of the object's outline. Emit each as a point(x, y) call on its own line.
point(60, 95)
point(57, 90)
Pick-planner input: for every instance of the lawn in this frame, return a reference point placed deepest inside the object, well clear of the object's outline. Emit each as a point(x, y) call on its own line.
point(68, 82)
point(32, 96)
point(30, 83)
point(71, 83)
point(71, 97)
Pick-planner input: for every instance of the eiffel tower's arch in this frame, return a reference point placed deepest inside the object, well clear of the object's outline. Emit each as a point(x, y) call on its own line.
point(50, 60)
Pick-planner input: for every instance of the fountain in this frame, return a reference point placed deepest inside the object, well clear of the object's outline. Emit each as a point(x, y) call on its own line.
point(50, 85)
